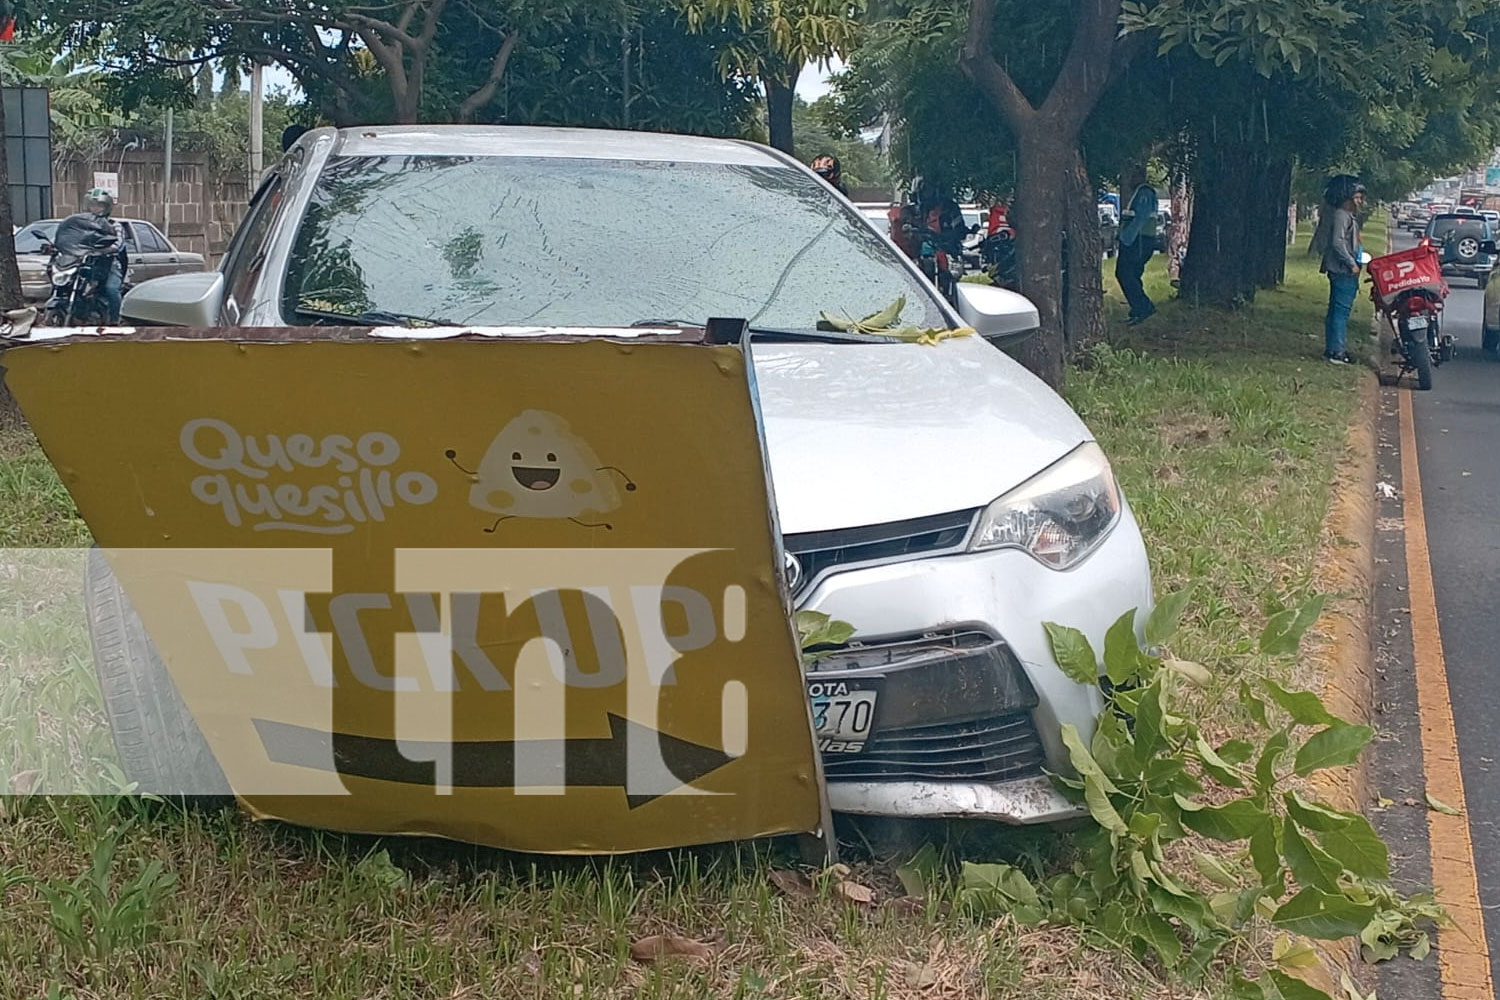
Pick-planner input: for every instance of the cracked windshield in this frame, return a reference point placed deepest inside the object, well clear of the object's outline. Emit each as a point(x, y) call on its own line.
point(512, 241)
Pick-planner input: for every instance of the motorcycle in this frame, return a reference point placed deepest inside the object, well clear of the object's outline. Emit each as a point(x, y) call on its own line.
point(1408, 290)
point(77, 287)
point(1000, 262)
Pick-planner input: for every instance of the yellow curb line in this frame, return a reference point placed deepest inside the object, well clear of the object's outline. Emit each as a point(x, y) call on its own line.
point(1463, 951)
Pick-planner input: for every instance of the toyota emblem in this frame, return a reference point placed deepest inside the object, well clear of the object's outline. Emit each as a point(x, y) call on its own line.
point(793, 572)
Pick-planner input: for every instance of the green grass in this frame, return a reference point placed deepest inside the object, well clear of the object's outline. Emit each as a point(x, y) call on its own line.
point(1225, 430)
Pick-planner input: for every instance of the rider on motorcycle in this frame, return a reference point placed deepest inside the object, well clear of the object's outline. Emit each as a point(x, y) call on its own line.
point(827, 167)
point(89, 233)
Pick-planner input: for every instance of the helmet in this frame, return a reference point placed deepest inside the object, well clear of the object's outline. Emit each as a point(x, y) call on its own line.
point(102, 198)
point(1341, 188)
point(827, 167)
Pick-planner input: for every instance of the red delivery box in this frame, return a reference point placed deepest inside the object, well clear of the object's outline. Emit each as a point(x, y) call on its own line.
point(1405, 270)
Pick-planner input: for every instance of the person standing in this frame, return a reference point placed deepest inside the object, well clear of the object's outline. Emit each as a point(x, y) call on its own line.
point(1338, 238)
point(1138, 235)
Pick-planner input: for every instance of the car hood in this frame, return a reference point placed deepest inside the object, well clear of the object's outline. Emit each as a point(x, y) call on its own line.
point(862, 434)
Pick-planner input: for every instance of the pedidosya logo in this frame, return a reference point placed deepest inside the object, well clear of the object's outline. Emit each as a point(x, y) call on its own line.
point(245, 477)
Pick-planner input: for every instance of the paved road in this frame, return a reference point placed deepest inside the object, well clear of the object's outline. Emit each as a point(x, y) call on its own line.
point(1457, 434)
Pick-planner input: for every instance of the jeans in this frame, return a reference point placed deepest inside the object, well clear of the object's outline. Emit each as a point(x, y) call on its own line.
point(1130, 264)
point(1342, 288)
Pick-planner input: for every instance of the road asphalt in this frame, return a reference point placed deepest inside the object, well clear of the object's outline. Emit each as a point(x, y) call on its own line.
point(1454, 426)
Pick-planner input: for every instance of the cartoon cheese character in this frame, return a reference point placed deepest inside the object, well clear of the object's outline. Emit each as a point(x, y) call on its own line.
point(537, 467)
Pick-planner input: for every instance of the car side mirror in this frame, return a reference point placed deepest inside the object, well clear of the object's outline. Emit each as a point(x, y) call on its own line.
point(1488, 246)
point(176, 300)
point(48, 247)
point(999, 315)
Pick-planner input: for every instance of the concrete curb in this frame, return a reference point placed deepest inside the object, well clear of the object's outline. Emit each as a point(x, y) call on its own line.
point(1340, 656)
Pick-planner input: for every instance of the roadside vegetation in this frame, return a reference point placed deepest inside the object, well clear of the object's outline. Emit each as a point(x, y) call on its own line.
point(1225, 429)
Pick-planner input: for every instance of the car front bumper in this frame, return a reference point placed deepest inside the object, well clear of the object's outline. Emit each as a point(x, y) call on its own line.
point(969, 732)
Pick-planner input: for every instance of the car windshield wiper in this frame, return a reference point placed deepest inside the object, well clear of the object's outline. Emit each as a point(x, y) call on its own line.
point(774, 335)
point(777, 334)
point(372, 317)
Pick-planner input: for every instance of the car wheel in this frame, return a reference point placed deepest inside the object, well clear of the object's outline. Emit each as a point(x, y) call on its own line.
point(161, 749)
point(1467, 248)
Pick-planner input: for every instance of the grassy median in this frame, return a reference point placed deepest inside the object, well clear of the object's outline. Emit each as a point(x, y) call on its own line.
point(1225, 430)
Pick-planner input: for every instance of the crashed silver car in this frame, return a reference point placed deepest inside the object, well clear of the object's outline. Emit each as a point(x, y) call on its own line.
point(944, 502)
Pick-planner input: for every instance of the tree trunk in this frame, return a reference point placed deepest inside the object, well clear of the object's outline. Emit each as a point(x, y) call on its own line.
point(1038, 216)
point(1272, 198)
point(10, 273)
point(1219, 269)
point(780, 96)
point(1083, 307)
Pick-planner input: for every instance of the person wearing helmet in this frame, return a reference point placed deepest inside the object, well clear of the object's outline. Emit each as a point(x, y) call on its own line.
point(827, 167)
point(1337, 239)
point(92, 233)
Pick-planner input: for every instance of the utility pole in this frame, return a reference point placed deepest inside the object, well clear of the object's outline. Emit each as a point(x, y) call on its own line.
point(166, 177)
point(257, 127)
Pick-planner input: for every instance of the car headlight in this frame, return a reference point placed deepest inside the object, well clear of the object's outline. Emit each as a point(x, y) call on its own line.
point(1059, 515)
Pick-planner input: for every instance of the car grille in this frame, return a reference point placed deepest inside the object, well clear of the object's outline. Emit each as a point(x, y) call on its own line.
point(994, 749)
point(820, 552)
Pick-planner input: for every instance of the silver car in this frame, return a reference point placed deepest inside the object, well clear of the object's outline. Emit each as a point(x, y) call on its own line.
point(151, 255)
point(944, 501)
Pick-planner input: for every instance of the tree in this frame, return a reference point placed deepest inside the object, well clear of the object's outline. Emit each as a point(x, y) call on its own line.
point(1050, 167)
point(778, 38)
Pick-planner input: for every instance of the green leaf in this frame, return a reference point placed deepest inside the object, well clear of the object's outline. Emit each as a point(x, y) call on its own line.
point(1265, 854)
point(1103, 811)
point(1253, 706)
point(1235, 820)
point(1002, 888)
point(1143, 825)
point(1236, 751)
point(1314, 815)
point(1217, 768)
point(1327, 917)
point(1335, 746)
point(1161, 623)
point(1283, 633)
point(1194, 673)
point(1437, 804)
point(1203, 955)
point(1291, 954)
point(1213, 869)
point(1148, 722)
point(1420, 947)
point(1074, 656)
point(1305, 708)
point(1270, 755)
point(1310, 864)
point(1193, 911)
point(1083, 761)
point(1159, 936)
point(1358, 848)
point(918, 874)
point(1123, 659)
point(1280, 986)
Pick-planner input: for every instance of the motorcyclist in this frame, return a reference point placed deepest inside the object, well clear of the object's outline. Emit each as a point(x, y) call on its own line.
point(91, 232)
point(827, 166)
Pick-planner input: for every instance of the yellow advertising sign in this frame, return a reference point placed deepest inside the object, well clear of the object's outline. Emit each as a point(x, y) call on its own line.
point(519, 592)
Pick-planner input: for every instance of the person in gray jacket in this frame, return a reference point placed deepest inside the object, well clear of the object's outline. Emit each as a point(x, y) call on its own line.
point(1337, 238)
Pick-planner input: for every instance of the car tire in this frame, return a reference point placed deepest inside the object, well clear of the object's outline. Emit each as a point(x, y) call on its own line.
point(162, 751)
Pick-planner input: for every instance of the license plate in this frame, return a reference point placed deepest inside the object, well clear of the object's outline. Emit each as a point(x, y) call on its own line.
point(843, 715)
point(1417, 323)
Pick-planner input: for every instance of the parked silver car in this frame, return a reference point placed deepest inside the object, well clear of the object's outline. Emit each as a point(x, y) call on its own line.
point(151, 254)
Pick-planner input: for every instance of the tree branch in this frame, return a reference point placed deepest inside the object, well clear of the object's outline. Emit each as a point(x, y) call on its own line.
point(486, 92)
point(1086, 71)
point(979, 65)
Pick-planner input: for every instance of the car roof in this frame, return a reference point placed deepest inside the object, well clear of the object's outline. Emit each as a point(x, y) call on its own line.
point(540, 141)
point(1456, 215)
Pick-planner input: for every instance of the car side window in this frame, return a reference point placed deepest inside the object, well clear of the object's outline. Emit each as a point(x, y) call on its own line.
point(247, 252)
point(150, 239)
point(132, 247)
